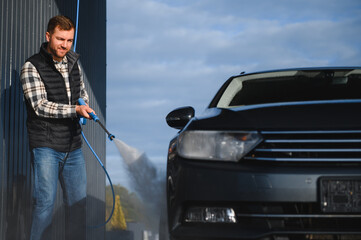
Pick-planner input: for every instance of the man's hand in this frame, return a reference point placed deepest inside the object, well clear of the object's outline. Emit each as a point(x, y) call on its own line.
point(83, 111)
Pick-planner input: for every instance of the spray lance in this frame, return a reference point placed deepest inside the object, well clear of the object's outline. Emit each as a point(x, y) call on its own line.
point(111, 137)
point(97, 120)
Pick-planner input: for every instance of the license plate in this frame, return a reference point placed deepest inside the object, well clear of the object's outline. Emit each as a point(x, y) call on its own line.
point(340, 195)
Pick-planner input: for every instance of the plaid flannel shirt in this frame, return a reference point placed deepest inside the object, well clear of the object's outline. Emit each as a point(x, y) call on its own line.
point(35, 92)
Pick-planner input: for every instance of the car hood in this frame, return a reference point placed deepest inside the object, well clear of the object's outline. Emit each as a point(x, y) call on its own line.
point(318, 115)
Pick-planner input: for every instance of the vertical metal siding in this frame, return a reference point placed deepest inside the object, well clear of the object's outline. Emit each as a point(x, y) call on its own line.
point(22, 30)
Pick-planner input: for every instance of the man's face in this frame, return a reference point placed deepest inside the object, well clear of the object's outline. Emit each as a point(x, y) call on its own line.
point(60, 42)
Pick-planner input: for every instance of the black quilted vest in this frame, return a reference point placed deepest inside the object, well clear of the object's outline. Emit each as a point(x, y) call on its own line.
point(60, 134)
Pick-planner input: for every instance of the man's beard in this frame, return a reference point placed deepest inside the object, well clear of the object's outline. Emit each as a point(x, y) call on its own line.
point(54, 52)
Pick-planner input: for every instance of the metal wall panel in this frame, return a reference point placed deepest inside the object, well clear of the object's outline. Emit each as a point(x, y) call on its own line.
point(22, 30)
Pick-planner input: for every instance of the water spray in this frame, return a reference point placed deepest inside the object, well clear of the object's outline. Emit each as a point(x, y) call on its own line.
point(145, 179)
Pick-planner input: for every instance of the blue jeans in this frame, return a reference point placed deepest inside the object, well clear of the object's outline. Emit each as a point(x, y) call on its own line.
point(49, 166)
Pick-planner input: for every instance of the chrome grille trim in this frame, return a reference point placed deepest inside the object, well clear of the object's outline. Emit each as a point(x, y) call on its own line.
point(309, 146)
point(260, 215)
point(306, 159)
point(308, 150)
point(311, 132)
point(314, 141)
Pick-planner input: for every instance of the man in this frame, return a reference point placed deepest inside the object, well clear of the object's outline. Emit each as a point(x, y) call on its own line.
point(52, 83)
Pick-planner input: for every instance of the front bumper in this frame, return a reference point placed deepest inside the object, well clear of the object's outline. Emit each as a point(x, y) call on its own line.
point(268, 199)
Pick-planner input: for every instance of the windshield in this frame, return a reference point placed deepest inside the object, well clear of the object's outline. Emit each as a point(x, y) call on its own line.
point(290, 86)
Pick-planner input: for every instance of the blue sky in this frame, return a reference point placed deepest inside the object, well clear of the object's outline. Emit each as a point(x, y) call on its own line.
point(163, 54)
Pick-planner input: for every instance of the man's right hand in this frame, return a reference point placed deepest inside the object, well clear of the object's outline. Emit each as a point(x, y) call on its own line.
point(84, 110)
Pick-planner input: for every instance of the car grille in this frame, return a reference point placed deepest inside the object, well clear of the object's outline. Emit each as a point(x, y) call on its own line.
point(309, 146)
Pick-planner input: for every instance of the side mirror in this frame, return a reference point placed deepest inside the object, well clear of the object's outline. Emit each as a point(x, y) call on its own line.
point(179, 117)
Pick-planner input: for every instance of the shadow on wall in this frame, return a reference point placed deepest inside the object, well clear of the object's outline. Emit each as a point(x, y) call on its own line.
point(15, 171)
point(18, 211)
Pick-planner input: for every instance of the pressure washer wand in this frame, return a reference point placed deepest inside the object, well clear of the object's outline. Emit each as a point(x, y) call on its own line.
point(97, 120)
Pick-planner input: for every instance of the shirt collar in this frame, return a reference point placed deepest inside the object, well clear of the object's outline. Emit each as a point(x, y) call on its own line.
point(64, 61)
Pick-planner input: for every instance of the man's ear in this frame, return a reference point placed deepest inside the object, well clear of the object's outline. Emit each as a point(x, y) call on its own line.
point(47, 36)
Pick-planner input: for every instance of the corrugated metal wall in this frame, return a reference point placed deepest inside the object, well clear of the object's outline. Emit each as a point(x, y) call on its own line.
point(22, 30)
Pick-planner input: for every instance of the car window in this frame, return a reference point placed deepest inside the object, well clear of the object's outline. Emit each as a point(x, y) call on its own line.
point(291, 86)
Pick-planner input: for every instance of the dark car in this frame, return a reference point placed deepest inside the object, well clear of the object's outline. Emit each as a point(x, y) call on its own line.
point(276, 155)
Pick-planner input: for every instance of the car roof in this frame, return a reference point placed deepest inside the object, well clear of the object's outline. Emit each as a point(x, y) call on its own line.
point(300, 69)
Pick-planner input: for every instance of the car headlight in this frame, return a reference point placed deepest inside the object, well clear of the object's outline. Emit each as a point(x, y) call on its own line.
point(217, 145)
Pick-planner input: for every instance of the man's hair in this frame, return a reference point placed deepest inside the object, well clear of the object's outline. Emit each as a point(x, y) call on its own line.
point(63, 22)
